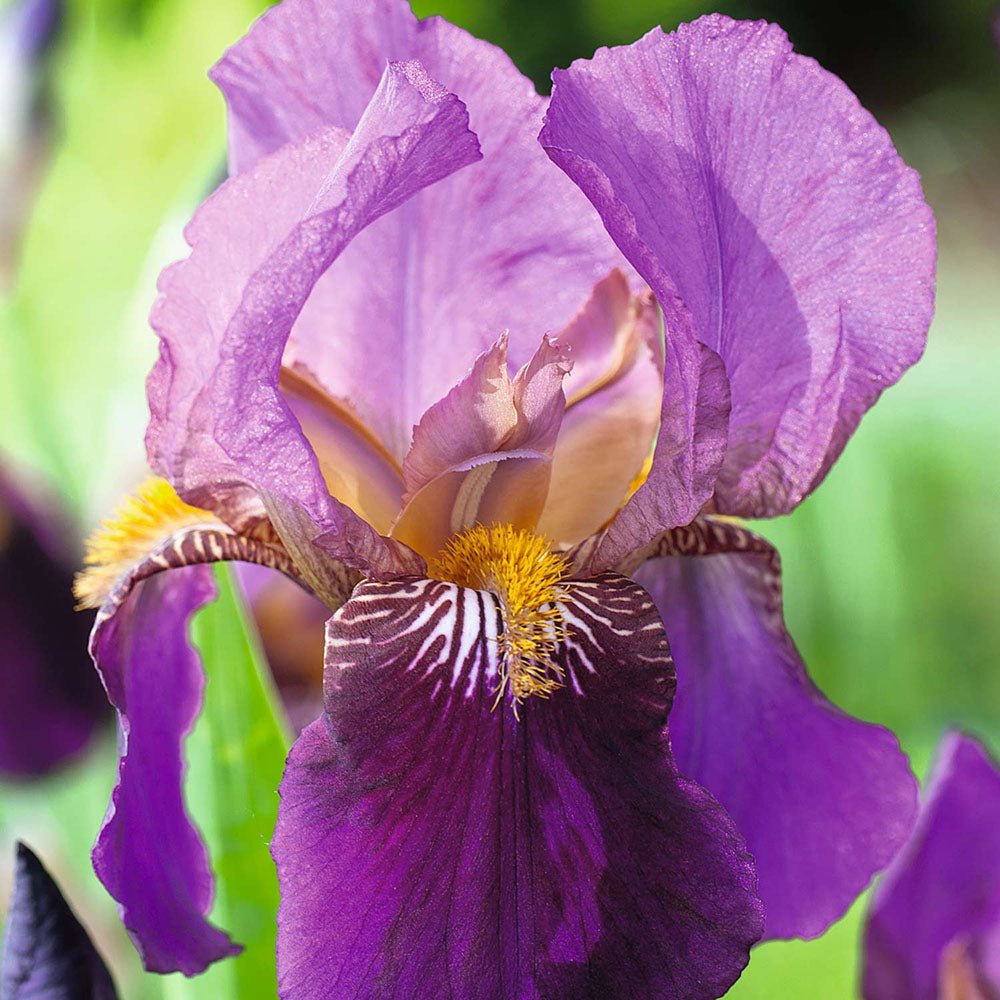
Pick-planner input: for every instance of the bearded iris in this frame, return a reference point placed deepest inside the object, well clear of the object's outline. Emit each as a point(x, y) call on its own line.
point(933, 930)
point(729, 267)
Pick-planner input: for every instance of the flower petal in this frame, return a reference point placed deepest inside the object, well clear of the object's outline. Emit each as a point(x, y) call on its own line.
point(938, 907)
point(46, 952)
point(52, 700)
point(220, 427)
point(823, 799)
point(614, 394)
point(748, 183)
point(430, 846)
point(483, 454)
point(507, 244)
point(148, 854)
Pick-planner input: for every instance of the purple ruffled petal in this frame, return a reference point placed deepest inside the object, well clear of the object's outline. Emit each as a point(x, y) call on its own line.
point(148, 854)
point(258, 247)
point(824, 800)
point(507, 244)
point(758, 199)
point(934, 922)
point(52, 700)
point(428, 845)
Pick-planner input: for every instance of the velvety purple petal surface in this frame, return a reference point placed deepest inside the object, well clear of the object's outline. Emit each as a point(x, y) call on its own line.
point(52, 700)
point(224, 315)
point(943, 889)
point(824, 800)
point(47, 954)
point(148, 854)
point(508, 244)
point(428, 845)
point(762, 202)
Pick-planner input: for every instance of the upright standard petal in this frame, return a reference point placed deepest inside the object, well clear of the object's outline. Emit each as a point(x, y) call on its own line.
point(933, 931)
point(757, 198)
point(507, 244)
point(148, 854)
point(613, 399)
point(220, 427)
point(824, 800)
point(428, 845)
point(483, 454)
point(46, 952)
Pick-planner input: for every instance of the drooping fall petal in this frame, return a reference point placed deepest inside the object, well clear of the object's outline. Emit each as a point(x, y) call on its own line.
point(933, 931)
point(221, 430)
point(824, 800)
point(764, 206)
point(430, 846)
point(507, 244)
point(148, 854)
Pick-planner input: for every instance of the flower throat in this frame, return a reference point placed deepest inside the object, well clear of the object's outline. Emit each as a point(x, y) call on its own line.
point(528, 579)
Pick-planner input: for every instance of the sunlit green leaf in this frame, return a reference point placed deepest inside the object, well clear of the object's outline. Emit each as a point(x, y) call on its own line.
point(236, 755)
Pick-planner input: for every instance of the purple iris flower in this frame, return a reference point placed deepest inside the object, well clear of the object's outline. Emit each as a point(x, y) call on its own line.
point(52, 701)
point(730, 266)
point(933, 930)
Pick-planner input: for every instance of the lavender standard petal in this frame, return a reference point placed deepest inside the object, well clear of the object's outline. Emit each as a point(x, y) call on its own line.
point(942, 892)
point(220, 428)
point(506, 244)
point(761, 202)
point(148, 854)
point(824, 800)
point(428, 845)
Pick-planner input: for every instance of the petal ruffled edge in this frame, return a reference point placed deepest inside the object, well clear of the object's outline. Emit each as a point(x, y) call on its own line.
point(747, 184)
point(224, 315)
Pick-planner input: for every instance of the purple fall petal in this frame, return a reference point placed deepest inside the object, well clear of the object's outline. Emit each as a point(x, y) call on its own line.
point(938, 907)
point(760, 201)
point(52, 700)
point(824, 800)
point(47, 954)
point(258, 247)
point(148, 854)
point(506, 244)
point(430, 846)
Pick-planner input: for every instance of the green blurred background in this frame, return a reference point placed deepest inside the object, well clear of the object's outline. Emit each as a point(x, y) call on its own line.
point(892, 587)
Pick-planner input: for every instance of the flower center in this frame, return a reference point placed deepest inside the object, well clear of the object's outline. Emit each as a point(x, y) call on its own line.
point(528, 579)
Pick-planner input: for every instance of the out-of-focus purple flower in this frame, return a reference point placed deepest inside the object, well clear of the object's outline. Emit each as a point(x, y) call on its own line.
point(26, 29)
point(46, 951)
point(334, 399)
point(52, 701)
point(933, 930)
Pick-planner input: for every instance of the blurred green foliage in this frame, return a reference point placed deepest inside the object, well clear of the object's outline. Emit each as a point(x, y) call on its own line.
point(891, 578)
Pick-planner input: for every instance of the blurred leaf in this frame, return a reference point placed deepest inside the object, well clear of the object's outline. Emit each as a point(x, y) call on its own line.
point(236, 757)
point(141, 140)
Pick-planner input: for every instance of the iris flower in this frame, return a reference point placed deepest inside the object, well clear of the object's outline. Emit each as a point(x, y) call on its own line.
point(52, 703)
point(461, 361)
point(933, 931)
